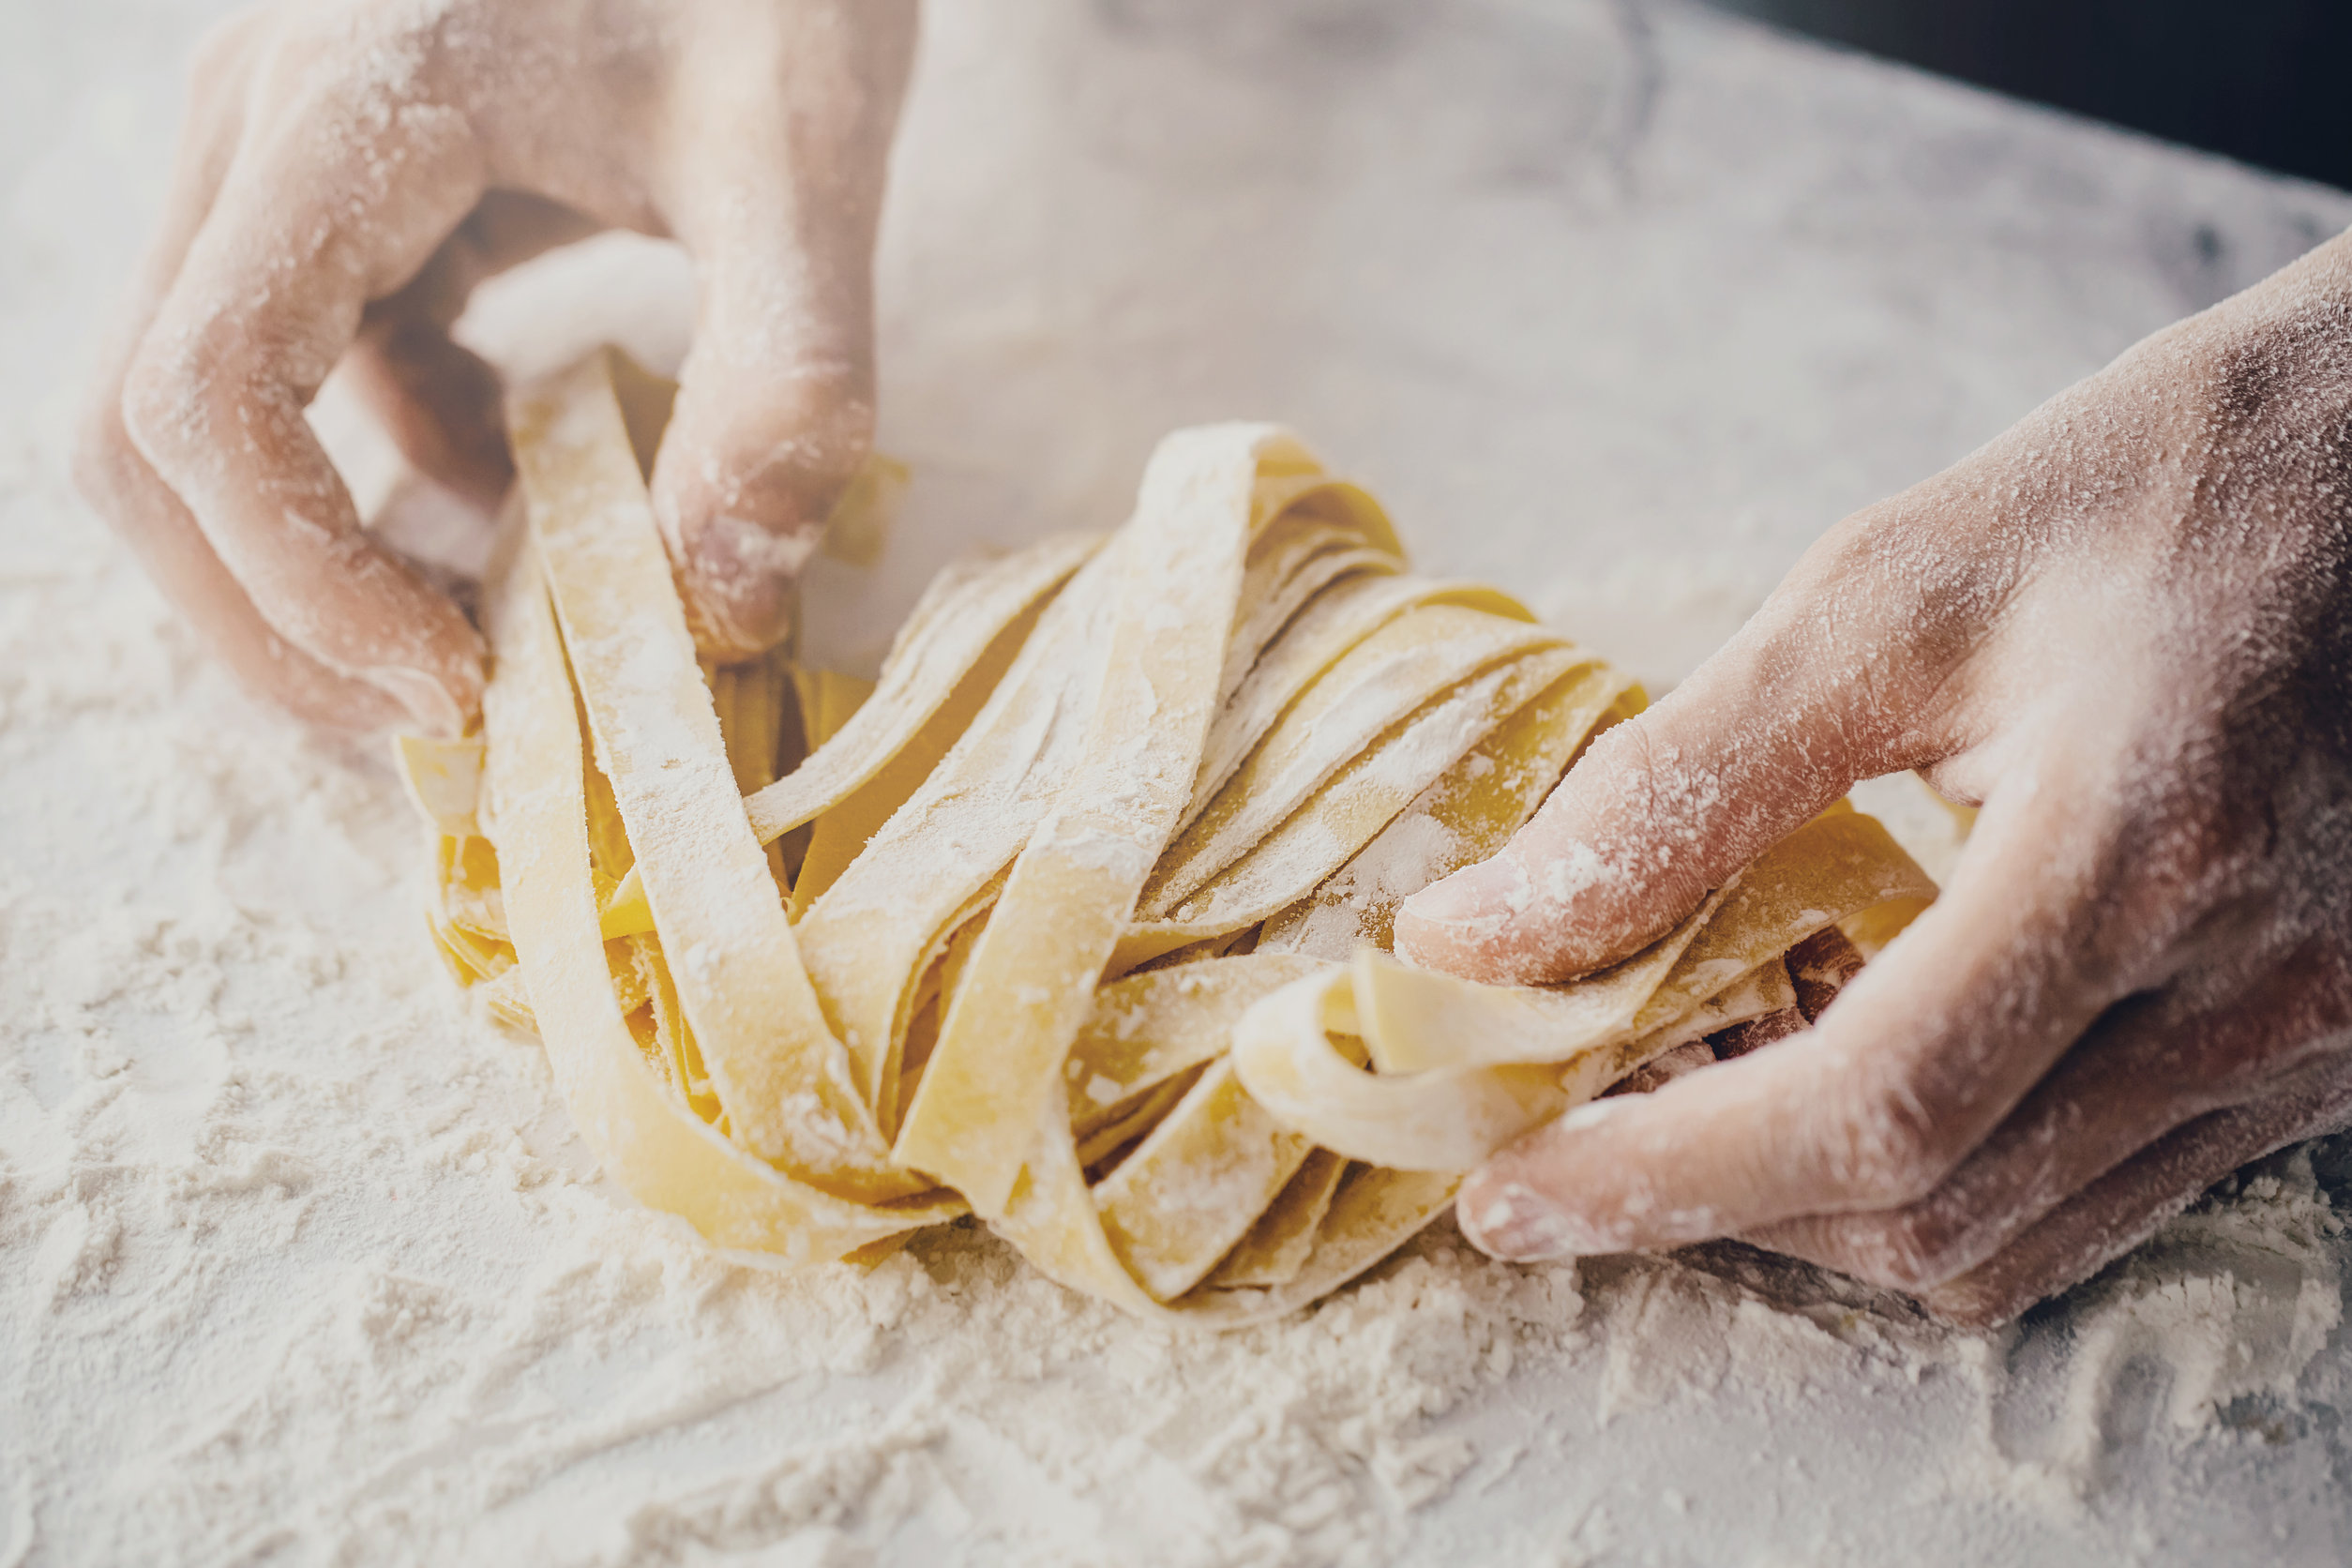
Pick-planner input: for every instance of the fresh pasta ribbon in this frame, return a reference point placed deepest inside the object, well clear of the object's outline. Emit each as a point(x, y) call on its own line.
point(1076, 919)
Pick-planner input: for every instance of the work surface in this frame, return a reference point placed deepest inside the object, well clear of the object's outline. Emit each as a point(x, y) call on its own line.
point(1618, 305)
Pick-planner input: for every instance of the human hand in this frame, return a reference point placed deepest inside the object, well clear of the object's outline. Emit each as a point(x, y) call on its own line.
point(2124, 626)
point(349, 172)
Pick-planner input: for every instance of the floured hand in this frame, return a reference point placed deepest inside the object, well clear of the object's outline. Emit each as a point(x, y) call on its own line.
point(2124, 626)
point(350, 171)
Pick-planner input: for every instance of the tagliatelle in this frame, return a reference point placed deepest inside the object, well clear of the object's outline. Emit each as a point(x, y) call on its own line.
point(1079, 920)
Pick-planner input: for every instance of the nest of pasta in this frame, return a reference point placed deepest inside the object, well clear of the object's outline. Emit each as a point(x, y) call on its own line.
point(1077, 919)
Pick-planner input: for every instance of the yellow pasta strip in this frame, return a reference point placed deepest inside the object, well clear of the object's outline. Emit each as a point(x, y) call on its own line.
point(643, 1136)
point(1465, 1068)
point(1367, 794)
point(783, 1078)
point(1197, 1184)
point(1282, 1239)
point(1148, 1028)
point(943, 666)
point(1075, 884)
point(845, 828)
point(926, 669)
point(444, 779)
point(829, 699)
point(1464, 817)
point(939, 859)
point(1225, 747)
point(1439, 1119)
point(1288, 565)
point(1329, 629)
point(859, 528)
point(1765, 988)
point(1388, 676)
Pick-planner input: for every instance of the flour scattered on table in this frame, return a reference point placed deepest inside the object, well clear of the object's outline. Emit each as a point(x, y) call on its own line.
point(259, 1163)
point(298, 1259)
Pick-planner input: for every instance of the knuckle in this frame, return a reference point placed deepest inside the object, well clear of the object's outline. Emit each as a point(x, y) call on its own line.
point(160, 390)
point(1632, 779)
point(1635, 771)
point(194, 366)
point(1854, 569)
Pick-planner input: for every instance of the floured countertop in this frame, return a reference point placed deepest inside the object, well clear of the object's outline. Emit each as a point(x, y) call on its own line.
point(1616, 304)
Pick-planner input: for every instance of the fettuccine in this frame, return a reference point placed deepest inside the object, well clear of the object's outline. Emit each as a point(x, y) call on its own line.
point(1076, 920)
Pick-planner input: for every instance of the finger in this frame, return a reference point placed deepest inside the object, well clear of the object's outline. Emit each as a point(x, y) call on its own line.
point(440, 402)
point(115, 477)
point(1834, 680)
point(339, 195)
point(779, 205)
point(2150, 1066)
point(2130, 1204)
point(1920, 1056)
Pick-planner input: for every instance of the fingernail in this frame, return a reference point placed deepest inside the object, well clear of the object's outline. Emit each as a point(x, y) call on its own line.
point(1475, 901)
point(1591, 1114)
point(428, 702)
point(741, 579)
point(1518, 1224)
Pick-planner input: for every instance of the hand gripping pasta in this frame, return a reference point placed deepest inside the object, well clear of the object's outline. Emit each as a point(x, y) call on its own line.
point(1076, 920)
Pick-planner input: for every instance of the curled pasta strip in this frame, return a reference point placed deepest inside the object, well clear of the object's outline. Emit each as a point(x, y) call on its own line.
point(1078, 918)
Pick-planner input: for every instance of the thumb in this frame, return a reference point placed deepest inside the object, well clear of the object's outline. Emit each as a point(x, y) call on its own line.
point(1773, 729)
point(778, 199)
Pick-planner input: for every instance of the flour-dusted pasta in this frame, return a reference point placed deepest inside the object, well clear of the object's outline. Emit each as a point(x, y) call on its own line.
point(1077, 922)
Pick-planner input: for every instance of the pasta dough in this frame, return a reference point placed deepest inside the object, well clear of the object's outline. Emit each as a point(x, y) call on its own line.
point(1076, 920)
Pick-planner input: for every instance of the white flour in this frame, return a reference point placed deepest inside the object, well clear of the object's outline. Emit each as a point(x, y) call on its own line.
point(298, 1259)
point(319, 1243)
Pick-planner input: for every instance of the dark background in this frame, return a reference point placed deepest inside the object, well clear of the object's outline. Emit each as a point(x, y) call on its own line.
point(2269, 81)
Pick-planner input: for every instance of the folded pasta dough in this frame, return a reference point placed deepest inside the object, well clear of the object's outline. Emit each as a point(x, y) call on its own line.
point(1086, 929)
